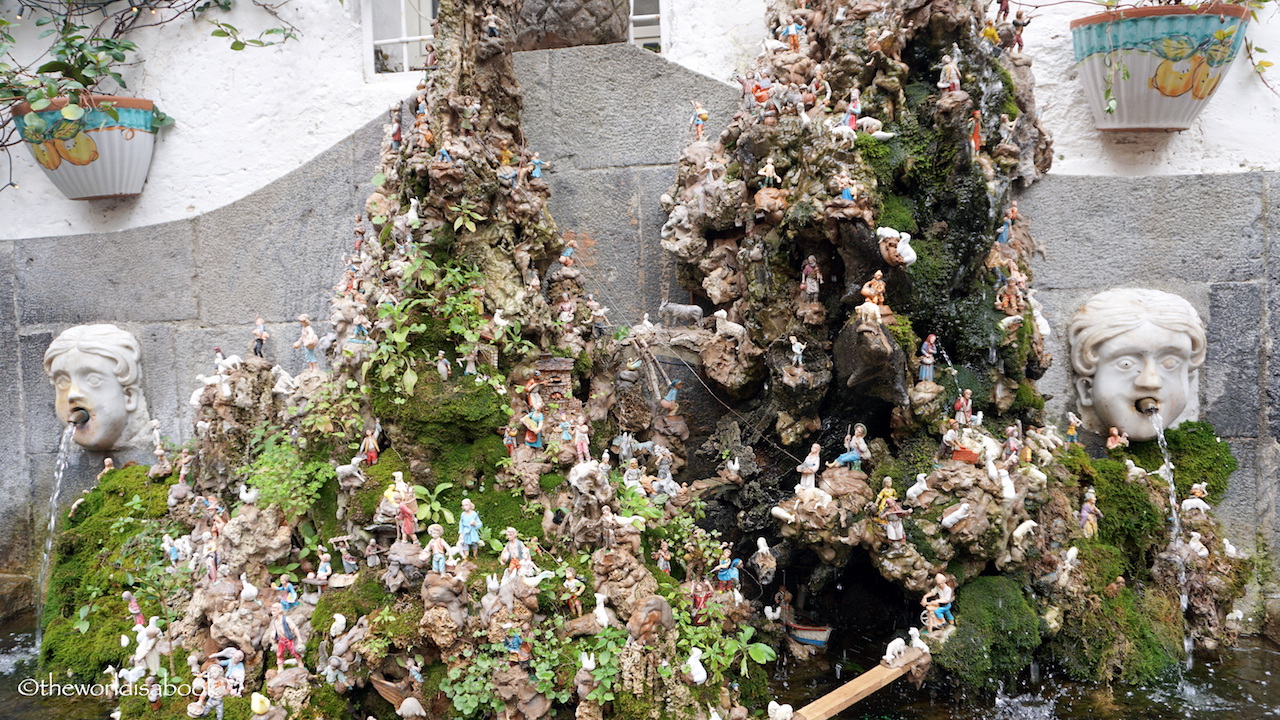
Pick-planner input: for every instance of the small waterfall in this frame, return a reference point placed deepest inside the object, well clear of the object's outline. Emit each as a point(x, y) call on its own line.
point(1176, 549)
point(59, 469)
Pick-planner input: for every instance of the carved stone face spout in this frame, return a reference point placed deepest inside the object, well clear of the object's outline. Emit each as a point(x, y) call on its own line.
point(1136, 352)
point(94, 370)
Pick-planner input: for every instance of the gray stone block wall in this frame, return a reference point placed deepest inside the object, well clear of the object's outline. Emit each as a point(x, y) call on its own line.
point(1209, 238)
point(610, 120)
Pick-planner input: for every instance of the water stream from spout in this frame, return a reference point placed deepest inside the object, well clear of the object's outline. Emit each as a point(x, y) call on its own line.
point(1176, 550)
point(42, 580)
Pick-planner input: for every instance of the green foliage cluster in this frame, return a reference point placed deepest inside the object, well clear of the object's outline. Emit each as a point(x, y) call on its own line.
point(333, 415)
point(996, 633)
point(284, 474)
point(470, 687)
point(110, 544)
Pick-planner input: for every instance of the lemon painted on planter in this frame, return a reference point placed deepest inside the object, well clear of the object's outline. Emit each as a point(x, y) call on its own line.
point(1174, 56)
point(94, 155)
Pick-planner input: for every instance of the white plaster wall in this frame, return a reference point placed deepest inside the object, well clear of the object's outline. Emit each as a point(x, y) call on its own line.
point(1235, 133)
point(713, 37)
point(244, 118)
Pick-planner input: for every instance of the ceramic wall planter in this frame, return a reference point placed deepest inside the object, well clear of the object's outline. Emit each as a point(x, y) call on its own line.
point(95, 156)
point(1175, 55)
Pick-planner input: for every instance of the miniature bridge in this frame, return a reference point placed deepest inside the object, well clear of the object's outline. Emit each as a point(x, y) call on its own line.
point(832, 703)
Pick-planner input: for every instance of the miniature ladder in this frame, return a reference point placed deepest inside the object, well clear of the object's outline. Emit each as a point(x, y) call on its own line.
point(832, 703)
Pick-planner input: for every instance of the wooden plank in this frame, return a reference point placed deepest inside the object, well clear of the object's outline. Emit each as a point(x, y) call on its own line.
point(832, 703)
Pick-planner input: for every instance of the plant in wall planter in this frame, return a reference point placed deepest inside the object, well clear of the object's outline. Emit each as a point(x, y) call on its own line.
point(1155, 67)
point(90, 146)
point(89, 143)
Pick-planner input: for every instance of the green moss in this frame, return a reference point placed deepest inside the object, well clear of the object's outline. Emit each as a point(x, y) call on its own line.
point(903, 334)
point(175, 708)
point(1078, 464)
point(324, 511)
point(500, 509)
point(366, 596)
point(377, 479)
point(916, 537)
point(1009, 106)
point(460, 463)
point(582, 365)
point(1014, 354)
point(550, 482)
point(1027, 398)
point(627, 706)
point(753, 688)
point(1132, 638)
point(325, 702)
point(444, 415)
point(996, 633)
point(1100, 563)
point(915, 456)
point(1198, 454)
point(432, 676)
point(897, 212)
point(111, 543)
point(1130, 521)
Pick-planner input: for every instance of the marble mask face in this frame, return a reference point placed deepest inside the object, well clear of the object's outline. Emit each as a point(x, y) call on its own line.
point(1146, 362)
point(95, 368)
point(1133, 350)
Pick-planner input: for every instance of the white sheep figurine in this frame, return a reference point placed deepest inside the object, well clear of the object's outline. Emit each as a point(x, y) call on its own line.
point(955, 516)
point(893, 654)
point(726, 328)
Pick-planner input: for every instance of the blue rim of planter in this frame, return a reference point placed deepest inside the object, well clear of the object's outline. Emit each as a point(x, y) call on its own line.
point(134, 114)
point(1088, 41)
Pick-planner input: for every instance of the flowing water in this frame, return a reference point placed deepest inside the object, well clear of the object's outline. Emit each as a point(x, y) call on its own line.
point(1239, 685)
point(20, 700)
point(1176, 546)
point(59, 469)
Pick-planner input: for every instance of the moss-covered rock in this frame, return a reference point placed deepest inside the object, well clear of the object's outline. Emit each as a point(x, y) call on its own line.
point(1131, 521)
point(996, 633)
point(1131, 638)
point(441, 416)
point(1199, 455)
point(110, 544)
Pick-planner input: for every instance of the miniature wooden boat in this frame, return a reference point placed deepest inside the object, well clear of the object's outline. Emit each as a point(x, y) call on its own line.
point(816, 635)
point(391, 692)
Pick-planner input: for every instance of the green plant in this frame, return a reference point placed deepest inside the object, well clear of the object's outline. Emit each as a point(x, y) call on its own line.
point(758, 652)
point(430, 507)
point(608, 644)
point(282, 475)
point(266, 38)
point(470, 685)
point(466, 215)
point(81, 59)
